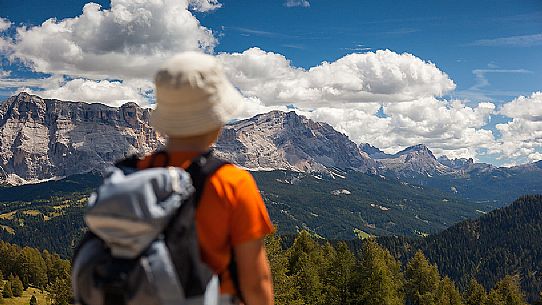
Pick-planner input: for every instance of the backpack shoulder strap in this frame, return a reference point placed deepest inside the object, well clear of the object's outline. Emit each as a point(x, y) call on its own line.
point(201, 168)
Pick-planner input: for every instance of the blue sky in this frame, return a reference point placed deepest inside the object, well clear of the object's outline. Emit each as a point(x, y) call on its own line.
point(490, 50)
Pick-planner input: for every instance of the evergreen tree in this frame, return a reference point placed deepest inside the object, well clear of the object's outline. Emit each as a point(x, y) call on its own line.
point(17, 287)
point(6, 292)
point(422, 280)
point(447, 293)
point(60, 291)
point(379, 280)
point(475, 294)
point(507, 292)
point(307, 281)
point(305, 265)
point(338, 279)
point(33, 300)
point(285, 292)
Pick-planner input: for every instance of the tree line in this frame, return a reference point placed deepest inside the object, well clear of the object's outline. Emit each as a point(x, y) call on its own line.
point(23, 267)
point(315, 272)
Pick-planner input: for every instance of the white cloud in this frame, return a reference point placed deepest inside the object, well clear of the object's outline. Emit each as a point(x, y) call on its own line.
point(4, 24)
point(294, 3)
point(529, 108)
point(522, 137)
point(204, 5)
point(112, 93)
point(537, 156)
point(448, 127)
point(130, 40)
point(381, 76)
point(349, 92)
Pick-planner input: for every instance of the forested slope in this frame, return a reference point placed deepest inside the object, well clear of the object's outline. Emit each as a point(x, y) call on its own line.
point(506, 241)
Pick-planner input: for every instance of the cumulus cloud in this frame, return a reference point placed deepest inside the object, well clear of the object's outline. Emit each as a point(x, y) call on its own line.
point(294, 3)
point(529, 108)
point(350, 92)
point(381, 76)
point(448, 127)
point(112, 93)
point(522, 136)
point(129, 40)
point(4, 24)
point(204, 5)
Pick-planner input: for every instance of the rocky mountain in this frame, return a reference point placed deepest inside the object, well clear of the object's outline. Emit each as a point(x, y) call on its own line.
point(44, 138)
point(413, 161)
point(279, 140)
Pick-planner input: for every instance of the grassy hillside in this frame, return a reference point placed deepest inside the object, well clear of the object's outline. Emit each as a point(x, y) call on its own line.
point(41, 297)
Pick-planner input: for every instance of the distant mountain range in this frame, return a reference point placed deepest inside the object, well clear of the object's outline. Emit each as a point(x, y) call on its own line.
point(50, 139)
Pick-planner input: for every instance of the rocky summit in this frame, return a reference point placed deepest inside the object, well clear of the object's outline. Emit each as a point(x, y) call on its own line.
point(279, 140)
point(414, 160)
point(43, 138)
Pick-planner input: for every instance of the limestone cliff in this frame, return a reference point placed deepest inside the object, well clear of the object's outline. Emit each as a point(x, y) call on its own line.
point(44, 138)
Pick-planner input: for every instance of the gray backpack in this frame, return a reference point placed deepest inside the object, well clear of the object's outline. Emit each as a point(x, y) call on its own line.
point(141, 247)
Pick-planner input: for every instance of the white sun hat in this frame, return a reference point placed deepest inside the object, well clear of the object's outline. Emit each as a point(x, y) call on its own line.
point(193, 96)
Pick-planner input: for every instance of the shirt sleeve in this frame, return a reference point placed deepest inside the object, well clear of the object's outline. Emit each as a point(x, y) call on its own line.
point(250, 219)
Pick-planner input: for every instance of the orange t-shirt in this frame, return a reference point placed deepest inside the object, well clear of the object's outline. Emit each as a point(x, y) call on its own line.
point(230, 212)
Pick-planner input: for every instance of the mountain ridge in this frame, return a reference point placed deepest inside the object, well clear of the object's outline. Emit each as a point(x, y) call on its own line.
point(44, 139)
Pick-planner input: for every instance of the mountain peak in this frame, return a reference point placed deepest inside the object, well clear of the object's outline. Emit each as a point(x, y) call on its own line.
point(287, 140)
point(373, 151)
point(416, 148)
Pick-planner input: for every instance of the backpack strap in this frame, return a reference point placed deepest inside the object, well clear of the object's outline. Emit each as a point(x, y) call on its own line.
point(200, 169)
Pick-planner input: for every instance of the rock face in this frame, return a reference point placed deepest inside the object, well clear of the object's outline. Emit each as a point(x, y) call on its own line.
point(414, 160)
point(279, 140)
point(43, 139)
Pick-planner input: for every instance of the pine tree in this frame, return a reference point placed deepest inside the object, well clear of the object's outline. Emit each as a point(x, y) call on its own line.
point(507, 292)
point(475, 294)
point(338, 279)
point(6, 292)
point(60, 291)
point(307, 280)
point(33, 300)
point(285, 292)
point(379, 280)
point(422, 280)
point(16, 285)
point(447, 293)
